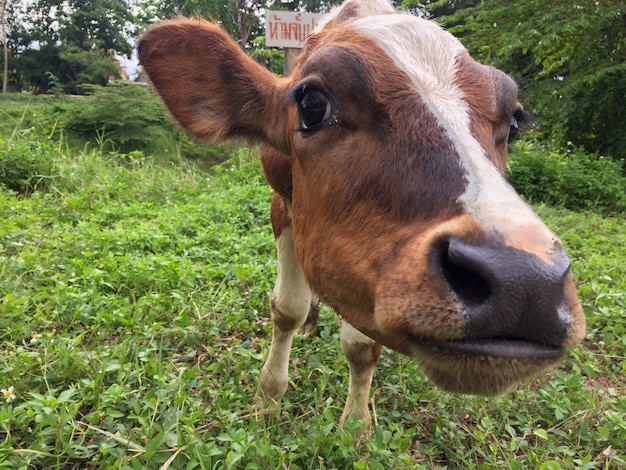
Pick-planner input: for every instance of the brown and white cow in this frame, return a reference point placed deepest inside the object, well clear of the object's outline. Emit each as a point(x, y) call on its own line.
point(386, 149)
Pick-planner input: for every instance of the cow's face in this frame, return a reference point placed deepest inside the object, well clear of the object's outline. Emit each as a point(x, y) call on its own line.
point(388, 144)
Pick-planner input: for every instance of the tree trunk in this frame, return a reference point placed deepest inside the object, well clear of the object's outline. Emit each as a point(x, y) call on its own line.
point(245, 21)
point(242, 23)
point(5, 47)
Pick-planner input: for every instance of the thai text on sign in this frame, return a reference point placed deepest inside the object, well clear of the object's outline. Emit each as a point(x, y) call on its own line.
point(288, 28)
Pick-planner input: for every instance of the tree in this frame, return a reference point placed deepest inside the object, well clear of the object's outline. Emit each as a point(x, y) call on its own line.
point(101, 24)
point(91, 35)
point(239, 17)
point(12, 19)
point(86, 66)
point(312, 6)
point(5, 46)
point(569, 57)
point(73, 41)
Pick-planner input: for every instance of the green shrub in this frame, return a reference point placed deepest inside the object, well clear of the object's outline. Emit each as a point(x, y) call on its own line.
point(21, 113)
point(126, 117)
point(270, 57)
point(207, 154)
point(27, 165)
point(571, 178)
point(121, 115)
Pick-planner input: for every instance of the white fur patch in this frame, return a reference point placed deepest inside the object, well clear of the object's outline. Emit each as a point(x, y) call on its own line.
point(427, 53)
point(292, 294)
point(350, 335)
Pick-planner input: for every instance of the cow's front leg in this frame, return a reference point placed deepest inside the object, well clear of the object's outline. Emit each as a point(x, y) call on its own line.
point(290, 306)
point(362, 354)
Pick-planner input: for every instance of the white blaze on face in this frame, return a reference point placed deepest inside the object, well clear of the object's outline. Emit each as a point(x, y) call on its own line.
point(427, 54)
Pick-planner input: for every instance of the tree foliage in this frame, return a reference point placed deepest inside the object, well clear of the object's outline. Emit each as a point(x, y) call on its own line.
point(569, 57)
point(74, 41)
point(241, 18)
point(313, 6)
point(86, 66)
point(98, 24)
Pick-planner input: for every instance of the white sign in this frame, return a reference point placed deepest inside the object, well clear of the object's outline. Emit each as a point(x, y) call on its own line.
point(288, 28)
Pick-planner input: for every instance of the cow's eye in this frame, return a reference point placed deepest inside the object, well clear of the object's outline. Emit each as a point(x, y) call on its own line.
point(314, 108)
point(514, 126)
point(521, 120)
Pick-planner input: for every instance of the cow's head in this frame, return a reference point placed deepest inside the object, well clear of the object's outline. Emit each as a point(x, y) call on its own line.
point(388, 143)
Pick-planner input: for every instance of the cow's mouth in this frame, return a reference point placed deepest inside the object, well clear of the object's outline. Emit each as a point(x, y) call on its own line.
point(484, 367)
point(507, 349)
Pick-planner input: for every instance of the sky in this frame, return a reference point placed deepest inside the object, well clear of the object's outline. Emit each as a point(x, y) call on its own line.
point(131, 66)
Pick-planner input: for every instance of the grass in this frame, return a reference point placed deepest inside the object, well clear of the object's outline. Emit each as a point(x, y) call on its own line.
point(134, 321)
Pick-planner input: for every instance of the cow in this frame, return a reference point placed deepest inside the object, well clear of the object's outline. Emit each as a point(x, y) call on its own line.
point(386, 149)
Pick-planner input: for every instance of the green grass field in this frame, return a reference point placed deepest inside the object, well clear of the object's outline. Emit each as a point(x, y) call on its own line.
point(134, 322)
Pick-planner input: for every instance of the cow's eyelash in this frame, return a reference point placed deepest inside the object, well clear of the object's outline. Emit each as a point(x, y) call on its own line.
point(520, 121)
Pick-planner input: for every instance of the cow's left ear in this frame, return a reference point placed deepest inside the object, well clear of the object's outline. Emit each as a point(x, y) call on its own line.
point(208, 83)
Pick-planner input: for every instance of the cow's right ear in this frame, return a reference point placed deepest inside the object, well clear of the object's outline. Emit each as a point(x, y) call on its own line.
point(210, 86)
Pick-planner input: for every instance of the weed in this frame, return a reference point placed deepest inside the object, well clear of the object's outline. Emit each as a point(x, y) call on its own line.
point(571, 178)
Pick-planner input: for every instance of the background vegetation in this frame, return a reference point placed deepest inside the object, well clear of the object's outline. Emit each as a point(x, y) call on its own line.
point(568, 57)
point(122, 117)
point(135, 273)
point(134, 323)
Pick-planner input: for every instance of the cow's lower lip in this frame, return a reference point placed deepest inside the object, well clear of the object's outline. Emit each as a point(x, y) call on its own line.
point(496, 348)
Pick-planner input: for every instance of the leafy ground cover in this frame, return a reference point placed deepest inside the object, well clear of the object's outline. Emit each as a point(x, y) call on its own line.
point(134, 321)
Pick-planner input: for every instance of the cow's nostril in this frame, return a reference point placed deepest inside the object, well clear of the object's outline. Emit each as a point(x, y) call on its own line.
point(463, 276)
point(505, 292)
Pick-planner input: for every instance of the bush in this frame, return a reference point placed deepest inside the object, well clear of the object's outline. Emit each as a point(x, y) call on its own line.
point(27, 165)
point(122, 115)
point(22, 112)
point(126, 117)
point(571, 178)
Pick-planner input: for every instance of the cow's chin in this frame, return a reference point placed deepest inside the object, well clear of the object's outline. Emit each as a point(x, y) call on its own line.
point(484, 368)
